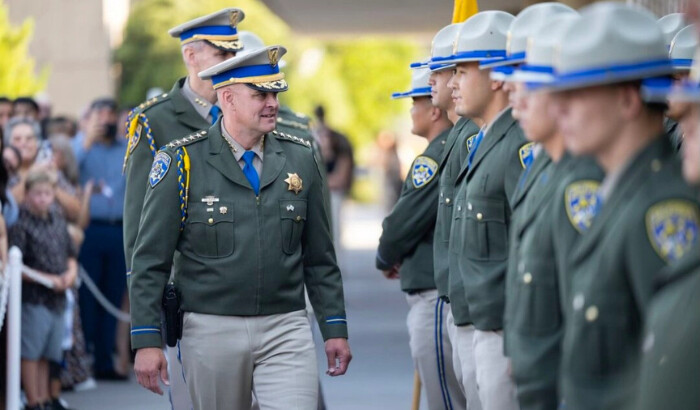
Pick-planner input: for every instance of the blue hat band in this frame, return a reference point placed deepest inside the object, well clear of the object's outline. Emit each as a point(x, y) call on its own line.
point(682, 62)
point(613, 73)
point(256, 73)
point(419, 64)
point(516, 58)
point(476, 55)
point(208, 31)
point(416, 92)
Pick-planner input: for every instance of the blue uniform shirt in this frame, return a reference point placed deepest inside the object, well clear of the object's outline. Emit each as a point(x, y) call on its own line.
point(102, 163)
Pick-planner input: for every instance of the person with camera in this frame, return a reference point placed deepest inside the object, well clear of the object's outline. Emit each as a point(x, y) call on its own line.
point(99, 153)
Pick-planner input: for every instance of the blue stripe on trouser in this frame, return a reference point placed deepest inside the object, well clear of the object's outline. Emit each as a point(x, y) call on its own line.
point(182, 368)
point(442, 357)
point(439, 354)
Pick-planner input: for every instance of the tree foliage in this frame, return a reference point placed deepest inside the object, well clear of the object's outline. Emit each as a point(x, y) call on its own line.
point(352, 79)
point(17, 74)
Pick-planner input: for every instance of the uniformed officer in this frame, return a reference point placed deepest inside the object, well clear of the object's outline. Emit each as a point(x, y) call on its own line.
point(670, 360)
point(648, 216)
point(188, 107)
point(449, 167)
point(671, 25)
point(289, 121)
point(545, 226)
point(237, 211)
point(406, 251)
point(481, 219)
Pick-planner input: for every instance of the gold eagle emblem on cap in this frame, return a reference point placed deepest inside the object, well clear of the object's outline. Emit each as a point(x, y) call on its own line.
point(295, 183)
point(233, 18)
point(273, 55)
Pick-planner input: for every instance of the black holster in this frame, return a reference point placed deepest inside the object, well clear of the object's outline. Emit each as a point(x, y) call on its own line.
point(173, 315)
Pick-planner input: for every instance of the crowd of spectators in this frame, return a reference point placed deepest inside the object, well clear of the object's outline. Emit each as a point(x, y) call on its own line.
point(62, 193)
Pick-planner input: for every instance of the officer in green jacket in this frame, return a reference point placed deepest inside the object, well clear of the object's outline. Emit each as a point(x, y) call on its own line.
point(542, 231)
point(670, 356)
point(448, 168)
point(237, 212)
point(406, 252)
point(481, 217)
point(648, 217)
point(189, 106)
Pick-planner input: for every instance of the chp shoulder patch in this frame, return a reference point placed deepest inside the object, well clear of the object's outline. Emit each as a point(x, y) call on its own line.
point(470, 142)
point(672, 227)
point(526, 155)
point(423, 171)
point(582, 203)
point(160, 167)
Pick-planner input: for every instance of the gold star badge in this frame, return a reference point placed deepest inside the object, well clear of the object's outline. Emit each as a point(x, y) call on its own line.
point(295, 183)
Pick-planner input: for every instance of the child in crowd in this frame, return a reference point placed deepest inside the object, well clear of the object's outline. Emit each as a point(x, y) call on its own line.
point(41, 234)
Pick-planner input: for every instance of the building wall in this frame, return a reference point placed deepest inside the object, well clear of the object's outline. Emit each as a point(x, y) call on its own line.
point(70, 37)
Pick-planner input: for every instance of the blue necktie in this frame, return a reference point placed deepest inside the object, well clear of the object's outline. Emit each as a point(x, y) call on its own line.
point(475, 145)
point(214, 112)
point(249, 171)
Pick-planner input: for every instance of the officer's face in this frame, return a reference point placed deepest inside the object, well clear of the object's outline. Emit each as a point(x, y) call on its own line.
point(691, 145)
point(516, 97)
point(421, 113)
point(535, 119)
point(588, 118)
point(208, 56)
point(440, 93)
point(471, 89)
point(253, 109)
point(678, 109)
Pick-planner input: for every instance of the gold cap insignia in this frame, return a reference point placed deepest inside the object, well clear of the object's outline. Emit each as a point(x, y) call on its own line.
point(273, 55)
point(233, 18)
point(295, 183)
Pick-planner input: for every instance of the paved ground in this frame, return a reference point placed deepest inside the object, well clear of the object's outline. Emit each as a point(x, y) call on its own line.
point(381, 374)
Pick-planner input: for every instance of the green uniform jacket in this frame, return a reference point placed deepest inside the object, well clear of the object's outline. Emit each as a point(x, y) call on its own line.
point(292, 123)
point(482, 220)
point(241, 255)
point(647, 223)
point(450, 165)
point(407, 236)
point(169, 116)
point(545, 228)
point(671, 358)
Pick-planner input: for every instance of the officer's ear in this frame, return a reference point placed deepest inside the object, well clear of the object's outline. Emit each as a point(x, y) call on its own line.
point(435, 113)
point(225, 97)
point(630, 101)
point(496, 85)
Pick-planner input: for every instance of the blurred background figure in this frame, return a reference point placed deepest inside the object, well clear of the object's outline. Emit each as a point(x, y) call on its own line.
point(99, 153)
point(5, 111)
point(390, 164)
point(25, 107)
point(340, 165)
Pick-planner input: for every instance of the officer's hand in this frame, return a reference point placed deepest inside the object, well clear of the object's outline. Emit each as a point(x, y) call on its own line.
point(339, 356)
point(392, 273)
point(148, 365)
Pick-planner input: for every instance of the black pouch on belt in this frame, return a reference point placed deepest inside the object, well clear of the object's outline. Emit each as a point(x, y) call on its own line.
point(173, 316)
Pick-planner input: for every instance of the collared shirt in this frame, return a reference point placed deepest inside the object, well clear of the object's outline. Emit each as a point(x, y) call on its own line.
point(102, 164)
point(238, 151)
point(200, 104)
point(487, 127)
point(607, 186)
point(46, 247)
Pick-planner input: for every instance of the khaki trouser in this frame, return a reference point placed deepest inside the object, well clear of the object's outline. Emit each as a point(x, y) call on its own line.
point(225, 358)
point(431, 350)
point(464, 359)
point(496, 388)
